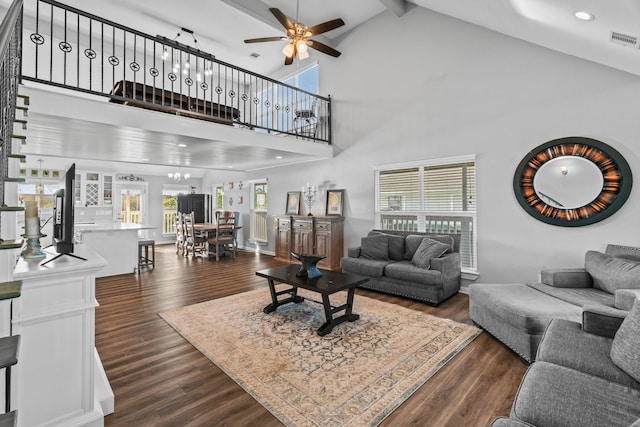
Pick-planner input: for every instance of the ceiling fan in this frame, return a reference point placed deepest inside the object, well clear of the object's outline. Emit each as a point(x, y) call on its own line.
point(299, 36)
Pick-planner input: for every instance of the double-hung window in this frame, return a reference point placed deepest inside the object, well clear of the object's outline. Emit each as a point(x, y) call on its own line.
point(434, 196)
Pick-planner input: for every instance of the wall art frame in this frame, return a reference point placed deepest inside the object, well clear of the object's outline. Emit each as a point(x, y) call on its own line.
point(335, 203)
point(293, 202)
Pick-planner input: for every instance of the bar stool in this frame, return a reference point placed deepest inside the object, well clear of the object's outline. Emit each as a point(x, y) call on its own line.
point(10, 419)
point(143, 248)
point(9, 349)
point(8, 358)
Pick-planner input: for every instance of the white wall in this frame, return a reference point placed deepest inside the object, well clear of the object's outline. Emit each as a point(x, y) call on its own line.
point(427, 86)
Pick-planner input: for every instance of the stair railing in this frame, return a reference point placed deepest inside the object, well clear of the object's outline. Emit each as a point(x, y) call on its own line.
point(10, 64)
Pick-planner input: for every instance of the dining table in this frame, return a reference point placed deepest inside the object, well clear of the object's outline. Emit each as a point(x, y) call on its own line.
point(209, 229)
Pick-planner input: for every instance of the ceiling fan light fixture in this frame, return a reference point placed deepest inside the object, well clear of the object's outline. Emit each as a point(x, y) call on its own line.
point(288, 50)
point(302, 46)
point(303, 54)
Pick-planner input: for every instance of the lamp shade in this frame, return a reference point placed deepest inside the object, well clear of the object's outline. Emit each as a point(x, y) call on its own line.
point(288, 50)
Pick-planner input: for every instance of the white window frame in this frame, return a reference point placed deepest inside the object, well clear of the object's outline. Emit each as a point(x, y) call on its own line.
point(214, 188)
point(472, 271)
point(179, 189)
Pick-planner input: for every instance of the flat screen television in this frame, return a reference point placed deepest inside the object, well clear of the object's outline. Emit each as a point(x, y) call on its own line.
point(63, 214)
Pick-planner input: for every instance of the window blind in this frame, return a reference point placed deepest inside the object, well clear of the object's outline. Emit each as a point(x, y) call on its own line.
point(435, 198)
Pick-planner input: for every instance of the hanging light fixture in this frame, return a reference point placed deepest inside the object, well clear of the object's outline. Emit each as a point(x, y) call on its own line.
point(177, 176)
point(186, 65)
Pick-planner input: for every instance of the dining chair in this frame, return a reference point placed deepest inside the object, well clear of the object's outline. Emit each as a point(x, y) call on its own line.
point(180, 235)
point(305, 121)
point(224, 239)
point(194, 241)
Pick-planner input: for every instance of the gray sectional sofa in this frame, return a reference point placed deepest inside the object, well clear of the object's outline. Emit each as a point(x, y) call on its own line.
point(582, 377)
point(518, 314)
point(408, 264)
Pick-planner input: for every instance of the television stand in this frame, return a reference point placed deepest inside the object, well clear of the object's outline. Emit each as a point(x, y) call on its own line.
point(59, 255)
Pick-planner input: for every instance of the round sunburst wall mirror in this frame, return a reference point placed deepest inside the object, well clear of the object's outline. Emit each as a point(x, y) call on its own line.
point(572, 181)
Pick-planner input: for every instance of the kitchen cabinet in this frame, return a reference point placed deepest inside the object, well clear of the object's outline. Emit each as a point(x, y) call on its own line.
point(93, 189)
point(199, 204)
point(310, 235)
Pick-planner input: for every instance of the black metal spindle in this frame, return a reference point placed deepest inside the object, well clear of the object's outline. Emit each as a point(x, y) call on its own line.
point(242, 96)
point(78, 51)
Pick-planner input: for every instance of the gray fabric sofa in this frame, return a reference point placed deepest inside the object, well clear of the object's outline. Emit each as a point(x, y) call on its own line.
point(404, 264)
point(580, 377)
point(518, 314)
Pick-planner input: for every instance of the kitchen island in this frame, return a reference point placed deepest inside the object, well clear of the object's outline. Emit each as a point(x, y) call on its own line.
point(115, 242)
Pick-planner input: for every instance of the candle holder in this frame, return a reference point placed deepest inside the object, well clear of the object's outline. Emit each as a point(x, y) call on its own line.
point(33, 250)
point(32, 232)
point(309, 192)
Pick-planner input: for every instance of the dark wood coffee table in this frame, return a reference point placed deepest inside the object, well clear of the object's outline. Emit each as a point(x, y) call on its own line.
point(330, 283)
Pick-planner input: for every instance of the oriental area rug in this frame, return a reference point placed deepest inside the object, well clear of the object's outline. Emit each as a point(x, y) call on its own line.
point(354, 376)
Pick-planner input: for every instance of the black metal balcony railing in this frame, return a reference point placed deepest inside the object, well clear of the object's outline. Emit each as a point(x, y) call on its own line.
point(69, 48)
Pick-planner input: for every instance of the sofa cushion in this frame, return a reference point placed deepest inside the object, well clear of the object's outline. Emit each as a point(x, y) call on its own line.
point(566, 344)
point(375, 247)
point(427, 250)
point(551, 395)
point(413, 241)
point(521, 306)
point(366, 267)
point(396, 244)
point(625, 351)
point(408, 272)
point(611, 273)
point(576, 296)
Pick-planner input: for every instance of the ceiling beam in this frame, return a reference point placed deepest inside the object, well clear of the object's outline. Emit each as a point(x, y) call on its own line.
point(397, 7)
point(257, 9)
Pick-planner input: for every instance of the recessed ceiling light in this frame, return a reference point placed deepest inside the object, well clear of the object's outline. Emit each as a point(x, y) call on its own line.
point(145, 160)
point(584, 16)
point(278, 157)
point(230, 167)
point(182, 145)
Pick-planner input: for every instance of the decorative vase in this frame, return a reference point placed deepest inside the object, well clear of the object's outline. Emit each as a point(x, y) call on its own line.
point(309, 268)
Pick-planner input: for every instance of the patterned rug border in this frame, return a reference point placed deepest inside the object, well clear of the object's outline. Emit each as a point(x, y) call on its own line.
point(264, 401)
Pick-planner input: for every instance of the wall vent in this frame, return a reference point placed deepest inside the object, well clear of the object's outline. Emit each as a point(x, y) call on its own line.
point(624, 39)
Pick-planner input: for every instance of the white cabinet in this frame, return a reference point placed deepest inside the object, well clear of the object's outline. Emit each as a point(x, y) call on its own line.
point(93, 189)
point(59, 380)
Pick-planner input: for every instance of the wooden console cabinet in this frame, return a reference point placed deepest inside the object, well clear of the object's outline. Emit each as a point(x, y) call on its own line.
point(319, 235)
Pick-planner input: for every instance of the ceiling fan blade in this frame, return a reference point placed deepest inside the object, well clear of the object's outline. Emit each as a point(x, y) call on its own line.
point(288, 60)
point(265, 39)
point(324, 48)
point(326, 26)
point(282, 18)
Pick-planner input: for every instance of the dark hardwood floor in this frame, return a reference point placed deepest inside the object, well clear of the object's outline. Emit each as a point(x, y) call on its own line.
point(159, 379)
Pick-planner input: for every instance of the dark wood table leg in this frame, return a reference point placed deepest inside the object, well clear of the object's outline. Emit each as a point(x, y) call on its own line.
point(348, 316)
point(275, 303)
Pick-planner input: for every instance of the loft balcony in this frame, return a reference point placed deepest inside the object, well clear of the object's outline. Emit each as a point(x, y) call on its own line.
point(93, 82)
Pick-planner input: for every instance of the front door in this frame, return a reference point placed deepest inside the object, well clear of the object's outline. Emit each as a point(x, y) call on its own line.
point(131, 203)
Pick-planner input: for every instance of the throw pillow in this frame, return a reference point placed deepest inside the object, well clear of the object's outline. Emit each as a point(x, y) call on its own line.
point(375, 247)
point(396, 244)
point(427, 250)
point(625, 349)
point(413, 241)
point(612, 273)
